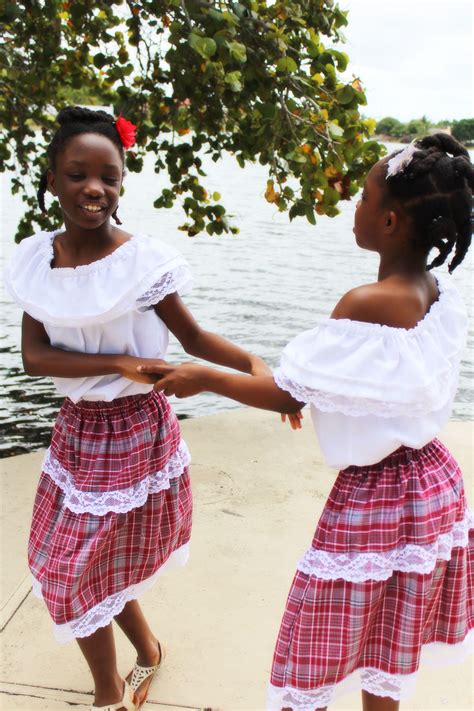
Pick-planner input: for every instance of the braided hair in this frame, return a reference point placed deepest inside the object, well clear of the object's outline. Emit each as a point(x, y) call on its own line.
point(435, 190)
point(74, 120)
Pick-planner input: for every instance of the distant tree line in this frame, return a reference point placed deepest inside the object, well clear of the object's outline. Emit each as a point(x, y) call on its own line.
point(463, 129)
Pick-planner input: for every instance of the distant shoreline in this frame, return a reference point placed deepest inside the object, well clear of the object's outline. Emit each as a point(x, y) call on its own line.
point(383, 138)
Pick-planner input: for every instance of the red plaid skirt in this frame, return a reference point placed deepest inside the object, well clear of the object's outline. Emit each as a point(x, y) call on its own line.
point(112, 510)
point(390, 572)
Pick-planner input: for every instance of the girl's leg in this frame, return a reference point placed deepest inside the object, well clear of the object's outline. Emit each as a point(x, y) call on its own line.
point(133, 624)
point(99, 651)
point(370, 702)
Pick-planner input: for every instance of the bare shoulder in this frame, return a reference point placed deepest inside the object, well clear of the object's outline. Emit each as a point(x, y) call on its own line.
point(385, 303)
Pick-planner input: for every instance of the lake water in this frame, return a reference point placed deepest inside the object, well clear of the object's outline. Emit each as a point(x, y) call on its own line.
point(259, 288)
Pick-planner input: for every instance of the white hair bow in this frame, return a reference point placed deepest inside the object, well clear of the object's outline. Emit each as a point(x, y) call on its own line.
point(399, 162)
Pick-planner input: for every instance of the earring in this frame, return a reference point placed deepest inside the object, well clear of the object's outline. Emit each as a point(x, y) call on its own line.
point(116, 217)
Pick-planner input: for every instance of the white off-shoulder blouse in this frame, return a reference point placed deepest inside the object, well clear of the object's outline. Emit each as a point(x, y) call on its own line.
point(103, 307)
point(373, 388)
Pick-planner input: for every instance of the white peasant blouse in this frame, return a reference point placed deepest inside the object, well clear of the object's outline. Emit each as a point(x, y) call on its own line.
point(373, 388)
point(102, 307)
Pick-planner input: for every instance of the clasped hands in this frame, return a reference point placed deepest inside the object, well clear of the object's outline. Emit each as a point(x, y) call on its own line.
point(189, 379)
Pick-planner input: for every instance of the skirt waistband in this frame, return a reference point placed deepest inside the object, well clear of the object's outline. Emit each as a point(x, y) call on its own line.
point(403, 455)
point(129, 403)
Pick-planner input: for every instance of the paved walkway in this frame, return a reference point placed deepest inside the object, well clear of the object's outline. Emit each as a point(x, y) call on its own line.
point(259, 489)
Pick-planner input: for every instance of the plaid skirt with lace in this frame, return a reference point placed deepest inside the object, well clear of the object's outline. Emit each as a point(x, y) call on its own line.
point(113, 509)
point(389, 577)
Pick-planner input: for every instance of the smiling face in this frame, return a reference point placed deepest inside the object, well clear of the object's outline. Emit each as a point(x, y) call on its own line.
point(87, 178)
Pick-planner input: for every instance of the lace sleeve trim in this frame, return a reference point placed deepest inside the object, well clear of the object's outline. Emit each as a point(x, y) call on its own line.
point(119, 501)
point(356, 406)
point(177, 280)
point(360, 567)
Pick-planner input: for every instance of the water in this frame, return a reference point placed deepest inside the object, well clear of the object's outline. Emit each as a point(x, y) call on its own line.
point(259, 288)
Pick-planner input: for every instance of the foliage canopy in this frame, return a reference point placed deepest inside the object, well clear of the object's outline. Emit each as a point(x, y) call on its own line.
point(260, 79)
point(463, 130)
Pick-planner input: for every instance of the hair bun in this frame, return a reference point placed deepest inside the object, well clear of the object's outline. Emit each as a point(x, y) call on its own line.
point(444, 142)
point(75, 114)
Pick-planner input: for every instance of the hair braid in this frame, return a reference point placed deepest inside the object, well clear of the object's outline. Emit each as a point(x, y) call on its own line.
point(43, 185)
point(435, 189)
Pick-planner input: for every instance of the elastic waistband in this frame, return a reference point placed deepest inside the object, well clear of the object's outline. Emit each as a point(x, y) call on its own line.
point(411, 453)
point(403, 455)
point(129, 403)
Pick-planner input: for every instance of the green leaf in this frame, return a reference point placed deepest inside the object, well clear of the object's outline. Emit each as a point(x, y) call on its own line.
point(286, 64)
point(205, 46)
point(310, 216)
point(335, 131)
point(345, 94)
point(238, 52)
point(100, 60)
point(233, 80)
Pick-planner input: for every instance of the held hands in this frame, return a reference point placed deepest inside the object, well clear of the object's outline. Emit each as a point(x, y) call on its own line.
point(190, 379)
point(181, 380)
point(129, 368)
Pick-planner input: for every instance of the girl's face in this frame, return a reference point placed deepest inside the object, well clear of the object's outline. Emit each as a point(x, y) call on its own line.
point(371, 213)
point(87, 179)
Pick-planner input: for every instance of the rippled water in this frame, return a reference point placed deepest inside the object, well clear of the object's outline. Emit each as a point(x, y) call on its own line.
point(259, 288)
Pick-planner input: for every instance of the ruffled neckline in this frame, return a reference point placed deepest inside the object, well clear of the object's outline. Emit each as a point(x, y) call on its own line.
point(358, 368)
point(353, 326)
point(97, 292)
point(120, 252)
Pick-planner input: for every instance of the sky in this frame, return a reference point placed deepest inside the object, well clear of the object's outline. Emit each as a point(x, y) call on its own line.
point(414, 57)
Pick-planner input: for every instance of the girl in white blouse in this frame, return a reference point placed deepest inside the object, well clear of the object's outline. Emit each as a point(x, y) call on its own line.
point(387, 574)
point(113, 507)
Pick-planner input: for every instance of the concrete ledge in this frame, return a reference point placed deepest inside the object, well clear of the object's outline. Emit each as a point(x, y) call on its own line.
point(259, 489)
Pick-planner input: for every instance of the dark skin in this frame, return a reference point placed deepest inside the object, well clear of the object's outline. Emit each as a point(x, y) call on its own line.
point(87, 178)
point(402, 295)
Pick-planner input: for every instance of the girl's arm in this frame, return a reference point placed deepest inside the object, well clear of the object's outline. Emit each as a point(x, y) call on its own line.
point(41, 358)
point(189, 379)
point(204, 344)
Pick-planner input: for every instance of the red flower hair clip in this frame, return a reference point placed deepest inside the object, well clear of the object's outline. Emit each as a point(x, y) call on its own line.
point(126, 131)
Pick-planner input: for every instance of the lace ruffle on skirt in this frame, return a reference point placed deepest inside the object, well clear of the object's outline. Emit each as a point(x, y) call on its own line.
point(359, 567)
point(104, 612)
point(119, 501)
point(375, 681)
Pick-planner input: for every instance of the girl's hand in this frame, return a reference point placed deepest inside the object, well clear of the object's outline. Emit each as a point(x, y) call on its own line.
point(180, 380)
point(129, 368)
point(294, 420)
point(259, 367)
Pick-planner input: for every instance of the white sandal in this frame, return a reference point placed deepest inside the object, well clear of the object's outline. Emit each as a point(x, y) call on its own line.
point(139, 673)
point(127, 702)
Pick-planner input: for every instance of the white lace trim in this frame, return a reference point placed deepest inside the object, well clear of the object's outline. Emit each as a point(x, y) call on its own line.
point(375, 681)
point(104, 612)
point(176, 280)
point(355, 406)
point(359, 567)
point(118, 501)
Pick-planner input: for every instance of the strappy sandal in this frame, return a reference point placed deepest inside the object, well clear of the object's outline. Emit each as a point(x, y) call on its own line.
point(127, 702)
point(140, 674)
